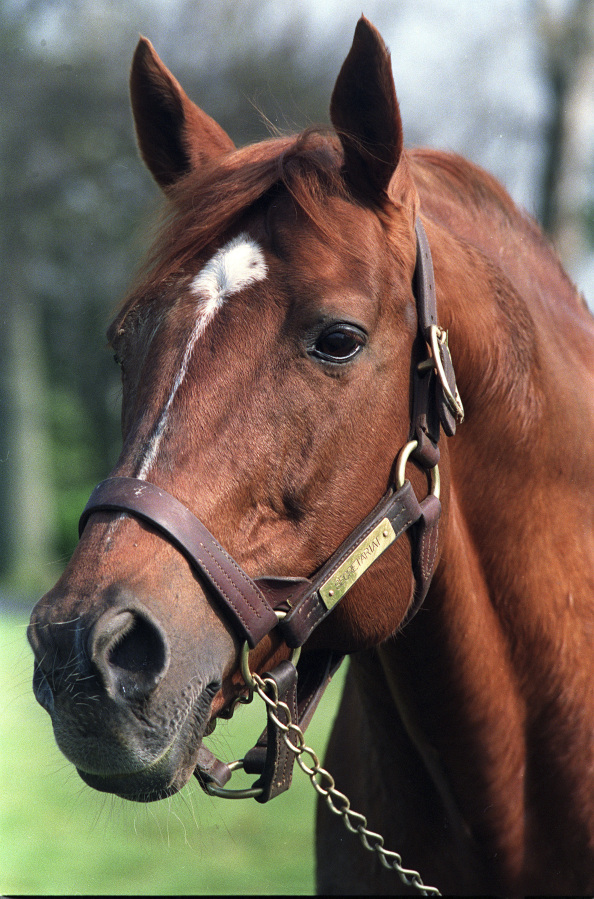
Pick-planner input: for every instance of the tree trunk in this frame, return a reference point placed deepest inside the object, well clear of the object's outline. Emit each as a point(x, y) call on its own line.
point(569, 158)
point(28, 490)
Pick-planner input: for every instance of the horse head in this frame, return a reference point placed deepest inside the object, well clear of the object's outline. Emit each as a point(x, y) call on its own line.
point(266, 357)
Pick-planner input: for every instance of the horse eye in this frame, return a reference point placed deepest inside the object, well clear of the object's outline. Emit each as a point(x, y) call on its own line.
point(340, 343)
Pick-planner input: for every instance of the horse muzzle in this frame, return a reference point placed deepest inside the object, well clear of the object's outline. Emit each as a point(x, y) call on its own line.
point(130, 723)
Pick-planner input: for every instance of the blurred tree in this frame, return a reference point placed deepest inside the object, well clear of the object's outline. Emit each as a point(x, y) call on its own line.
point(67, 212)
point(73, 195)
point(567, 211)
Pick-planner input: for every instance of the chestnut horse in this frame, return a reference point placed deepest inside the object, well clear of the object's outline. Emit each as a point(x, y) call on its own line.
point(269, 357)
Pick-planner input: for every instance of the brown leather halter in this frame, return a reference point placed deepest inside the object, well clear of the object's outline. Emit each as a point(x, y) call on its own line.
point(252, 604)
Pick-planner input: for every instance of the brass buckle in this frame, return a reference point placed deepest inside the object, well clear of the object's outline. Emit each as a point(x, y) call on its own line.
point(439, 344)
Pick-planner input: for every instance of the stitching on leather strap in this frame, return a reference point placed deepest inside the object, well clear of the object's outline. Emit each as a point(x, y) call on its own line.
point(225, 577)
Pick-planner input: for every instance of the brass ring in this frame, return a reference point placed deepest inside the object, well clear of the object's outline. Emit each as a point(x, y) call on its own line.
point(244, 658)
point(403, 458)
point(224, 793)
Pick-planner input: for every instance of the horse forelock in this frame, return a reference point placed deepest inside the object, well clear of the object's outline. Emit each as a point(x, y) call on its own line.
point(206, 205)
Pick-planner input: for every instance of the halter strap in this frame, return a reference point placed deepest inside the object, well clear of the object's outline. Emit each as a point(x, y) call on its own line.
point(252, 614)
point(436, 400)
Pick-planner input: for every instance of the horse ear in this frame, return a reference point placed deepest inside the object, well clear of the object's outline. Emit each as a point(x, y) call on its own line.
point(364, 111)
point(174, 135)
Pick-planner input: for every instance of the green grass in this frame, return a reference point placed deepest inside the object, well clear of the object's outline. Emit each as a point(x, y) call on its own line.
point(59, 837)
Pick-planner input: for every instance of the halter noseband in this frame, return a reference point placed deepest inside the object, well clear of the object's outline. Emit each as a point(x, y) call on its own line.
point(303, 603)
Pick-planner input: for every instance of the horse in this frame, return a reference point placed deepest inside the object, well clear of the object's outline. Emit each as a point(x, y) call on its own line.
point(357, 414)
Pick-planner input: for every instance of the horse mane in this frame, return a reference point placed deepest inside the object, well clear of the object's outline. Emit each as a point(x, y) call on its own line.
point(455, 180)
point(462, 197)
point(463, 180)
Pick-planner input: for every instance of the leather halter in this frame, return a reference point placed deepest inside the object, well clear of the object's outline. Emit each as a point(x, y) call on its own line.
point(251, 604)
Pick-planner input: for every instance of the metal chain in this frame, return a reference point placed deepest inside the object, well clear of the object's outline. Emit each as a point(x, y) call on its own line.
point(337, 802)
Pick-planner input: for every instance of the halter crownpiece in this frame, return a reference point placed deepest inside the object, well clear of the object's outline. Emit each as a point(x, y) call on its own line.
point(254, 606)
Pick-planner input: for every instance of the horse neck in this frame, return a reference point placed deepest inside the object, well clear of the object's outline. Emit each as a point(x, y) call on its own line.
point(521, 472)
point(493, 672)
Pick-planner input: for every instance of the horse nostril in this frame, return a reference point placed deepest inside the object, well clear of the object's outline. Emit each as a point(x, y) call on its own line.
point(130, 652)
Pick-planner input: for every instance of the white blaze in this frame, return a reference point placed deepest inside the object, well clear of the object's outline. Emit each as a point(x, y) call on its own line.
point(235, 266)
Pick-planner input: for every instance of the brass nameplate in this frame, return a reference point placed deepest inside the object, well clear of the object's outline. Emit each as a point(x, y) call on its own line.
point(357, 563)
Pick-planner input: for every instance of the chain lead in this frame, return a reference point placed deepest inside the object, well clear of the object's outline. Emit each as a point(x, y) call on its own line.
point(324, 784)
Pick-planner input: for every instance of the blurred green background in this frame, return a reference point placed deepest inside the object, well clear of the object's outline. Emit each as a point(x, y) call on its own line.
point(75, 219)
